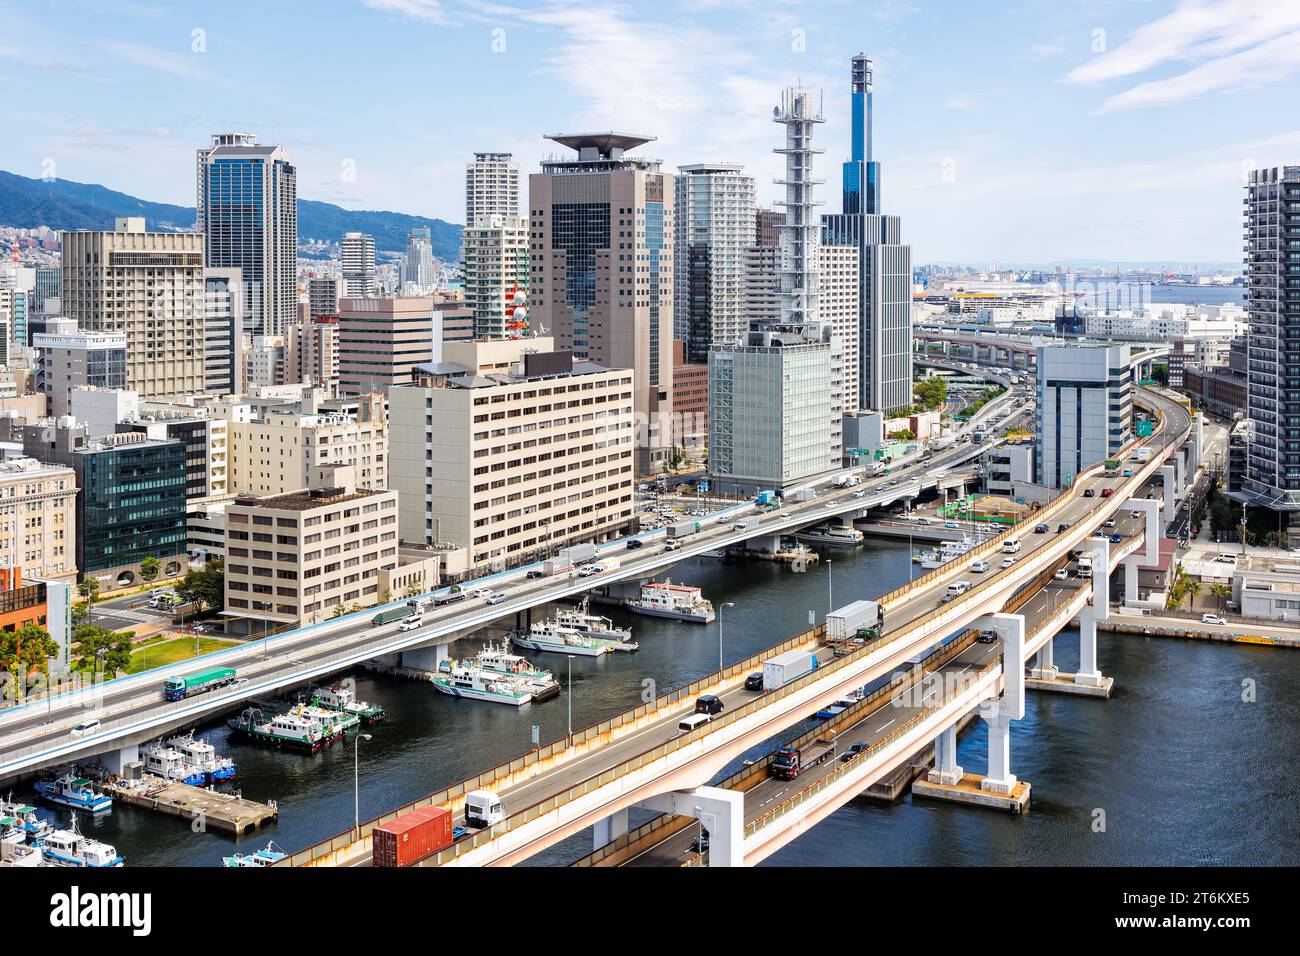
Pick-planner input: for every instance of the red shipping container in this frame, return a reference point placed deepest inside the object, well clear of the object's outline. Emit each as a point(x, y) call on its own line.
point(412, 837)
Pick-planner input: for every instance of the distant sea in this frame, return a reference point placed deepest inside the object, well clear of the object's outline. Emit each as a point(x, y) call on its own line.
point(1190, 294)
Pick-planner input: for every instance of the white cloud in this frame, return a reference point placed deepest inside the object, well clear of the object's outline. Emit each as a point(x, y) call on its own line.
point(430, 11)
point(1232, 44)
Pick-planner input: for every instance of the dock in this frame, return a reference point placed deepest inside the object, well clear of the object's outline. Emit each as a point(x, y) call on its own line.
point(218, 811)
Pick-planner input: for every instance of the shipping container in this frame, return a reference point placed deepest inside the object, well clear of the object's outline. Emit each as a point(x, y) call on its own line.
point(848, 620)
point(783, 668)
point(578, 553)
point(683, 528)
point(412, 837)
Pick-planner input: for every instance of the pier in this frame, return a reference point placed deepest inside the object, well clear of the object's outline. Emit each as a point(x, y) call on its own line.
point(218, 811)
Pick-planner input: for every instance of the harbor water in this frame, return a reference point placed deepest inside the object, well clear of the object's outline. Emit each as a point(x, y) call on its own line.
point(1175, 769)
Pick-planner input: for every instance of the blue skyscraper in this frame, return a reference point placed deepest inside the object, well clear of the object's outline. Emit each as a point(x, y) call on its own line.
point(885, 264)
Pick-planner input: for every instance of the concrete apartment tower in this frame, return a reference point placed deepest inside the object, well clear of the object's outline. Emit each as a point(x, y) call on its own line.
point(247, 212)
point(602, 270)
point(148, 285)
point(358, 254)
point(491, 187)
point(715, 222)
point(417, 272)
point(885, 264)
point(494, 254)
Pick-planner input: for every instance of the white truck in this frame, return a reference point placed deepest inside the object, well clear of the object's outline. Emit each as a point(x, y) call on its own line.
point(746, 524)
point(783, 668)
point(579, 553)
point(847, 621)
point(847, 480)
point(803, 494)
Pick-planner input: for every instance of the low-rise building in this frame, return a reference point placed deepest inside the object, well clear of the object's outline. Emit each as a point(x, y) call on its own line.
point(38, 518)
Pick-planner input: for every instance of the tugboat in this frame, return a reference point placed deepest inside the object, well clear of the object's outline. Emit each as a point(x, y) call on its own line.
point(202, 756)
point(70, 848)
point(342, 699)
point(468, 680)
point(289, 731)
point(74, 792)
point(550, 636)
point(167, 762)
point(267, 857)
point(675, 601)
point(497, 659)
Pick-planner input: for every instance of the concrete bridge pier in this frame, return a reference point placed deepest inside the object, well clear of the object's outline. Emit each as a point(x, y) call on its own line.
point(424, 658)
point(116, 761)
point(1169, 475)
point(609, 829)
point(722, 814)
point(763, 542)
point(1044, 666)
point(946, 771)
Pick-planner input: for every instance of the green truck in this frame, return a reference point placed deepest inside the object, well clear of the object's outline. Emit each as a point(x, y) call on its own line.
point(178, 688)
point(389, 616)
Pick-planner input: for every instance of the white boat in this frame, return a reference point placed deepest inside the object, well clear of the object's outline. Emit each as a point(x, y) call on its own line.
point(830, 534)
point(331, 724)
point(587, 624)
point(25, 819)
point(202, 756)
point(74, 792)
point(549, 636)
point(948, 551)
point(498, 659)
point(17, 854)
point(269, 856)
point(342, 699)
point(284, 730)
point(466, 679)
point(675, 601)
point(168, 763)
point(71, 848)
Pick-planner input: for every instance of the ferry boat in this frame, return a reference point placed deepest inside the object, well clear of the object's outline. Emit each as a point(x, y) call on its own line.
point(167, 762)
point(498, 659)
point(290, 731)
point(676, 601)
point(342, 699)
point(272, 854)
point(201, 755)
point(550, 636)
point(466, 679)
point(25, 819)
point(70, 848)
point(587, 624)
point(75, 792)
point(830, 534)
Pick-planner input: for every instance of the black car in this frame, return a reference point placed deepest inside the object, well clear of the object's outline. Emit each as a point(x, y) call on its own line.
point(854, 749)
point(1040, 529)
point(634, 543)
point(701, 843)
point(1089, 493)
point(1062, 528)
point(754, 681)
point(708, 704)
point(536, 573)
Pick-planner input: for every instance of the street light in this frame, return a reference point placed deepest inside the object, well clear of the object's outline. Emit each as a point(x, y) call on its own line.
point(725, 604)
point(356, 781)
point(830, 588)
point(568, 693)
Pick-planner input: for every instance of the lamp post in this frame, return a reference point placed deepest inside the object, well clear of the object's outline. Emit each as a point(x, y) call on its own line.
point(830, 588)
point(721, 607)
point(356, 781)
point(568, 693)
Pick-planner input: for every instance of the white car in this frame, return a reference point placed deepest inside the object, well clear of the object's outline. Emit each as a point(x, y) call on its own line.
point(1062, 574)
point(980, 566)
point(1212, 619)
point(495, 598)
point(1135, 514)
point(411, 623)
point(1007, 562)
point(1110, 523)
point(85, 727)
point(483, 593)
point(723, 520)
point(859, 494)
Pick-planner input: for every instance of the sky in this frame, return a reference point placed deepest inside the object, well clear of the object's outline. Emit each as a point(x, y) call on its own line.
point(1032, 131)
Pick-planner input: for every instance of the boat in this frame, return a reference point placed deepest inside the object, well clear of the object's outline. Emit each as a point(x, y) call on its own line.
point(201, 755)
point(75, 792)
point(468, 680)
point(166, 762)
point(948, 551)
point(290, 731)
point(332, 724)
point(25, 819)
point(342, 699)
point(676, 601)
point(269, 856)
point(550, 636)
point(20, 854)
point(71, 848)
point(830, 534)
point(498, 659)
point(592, 625)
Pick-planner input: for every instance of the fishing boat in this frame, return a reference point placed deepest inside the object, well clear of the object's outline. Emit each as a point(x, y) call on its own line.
point(161, 760)
point(498, 659)
point(830, 534)
point(269, 856)
point(676, 601)
point(549, 636)
point(468, 680)
point(74, 792)
point(587, 624)
point(72, 848)
point(332, 724)
point(342, 699)
point(290, 731)
point(201, 755)
point(26, 819)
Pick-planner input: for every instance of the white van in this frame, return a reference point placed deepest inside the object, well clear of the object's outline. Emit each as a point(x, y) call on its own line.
point(1011, 546)
point(956, 589)
point(694, 720)
point(483, 809)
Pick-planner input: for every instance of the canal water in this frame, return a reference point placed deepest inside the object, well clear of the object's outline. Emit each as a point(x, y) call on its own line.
point(1175, 769)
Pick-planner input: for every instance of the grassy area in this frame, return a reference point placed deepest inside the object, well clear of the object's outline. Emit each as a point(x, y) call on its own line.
point(159, 653)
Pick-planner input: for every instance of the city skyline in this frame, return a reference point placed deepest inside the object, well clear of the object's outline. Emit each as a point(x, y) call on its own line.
point(1054, 134)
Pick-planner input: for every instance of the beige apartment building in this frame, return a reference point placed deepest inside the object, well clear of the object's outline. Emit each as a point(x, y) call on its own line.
point(838, 305)
point(510, 450)
point(150, 286)
point(495, 254)
point(297, 558)
point(38, 519)
point(275, 451)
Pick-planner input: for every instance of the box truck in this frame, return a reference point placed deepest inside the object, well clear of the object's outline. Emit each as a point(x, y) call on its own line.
point(783, 668)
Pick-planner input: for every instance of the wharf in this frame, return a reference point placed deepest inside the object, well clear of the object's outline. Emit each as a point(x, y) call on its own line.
point(217, 811)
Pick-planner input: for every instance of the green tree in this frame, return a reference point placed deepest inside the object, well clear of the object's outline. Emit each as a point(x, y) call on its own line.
point(149, 568)
point(205, 588)
point(89, 589)
point(413, 590)
point(1220, 592)
point(339, 610)
point(25, 650)
point(1191, 590)
point(97, 647)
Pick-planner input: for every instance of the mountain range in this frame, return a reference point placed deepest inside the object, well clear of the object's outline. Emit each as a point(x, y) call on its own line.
point(66, 205)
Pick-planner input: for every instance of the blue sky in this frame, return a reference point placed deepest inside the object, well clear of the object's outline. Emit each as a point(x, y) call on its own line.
point(1031, 131)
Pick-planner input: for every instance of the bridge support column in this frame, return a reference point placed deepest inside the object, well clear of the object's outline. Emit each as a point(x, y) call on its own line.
point(1169, 475)
point(999, 779)
point(609, 829)
point(720, 812)
point(424, 658)
point(116, 761)
point(1044, 666)
point(1088, 674)
point(1130, 581)
point(946, 770)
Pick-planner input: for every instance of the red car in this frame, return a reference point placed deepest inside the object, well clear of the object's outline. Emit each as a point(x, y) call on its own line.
point(1107, 492)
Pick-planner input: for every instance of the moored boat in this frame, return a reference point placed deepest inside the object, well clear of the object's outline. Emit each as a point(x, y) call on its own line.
point(161, 760)
point(587, 624)
point(466, 679)
point(549, 636)
point(71, 847)
point(202, 756)
point(678, 602)
point(74, 792)
point(498, 659)
point(830, 534)
point(25, 819)
point(268, 856)
point(289, 731)
point(342, 699)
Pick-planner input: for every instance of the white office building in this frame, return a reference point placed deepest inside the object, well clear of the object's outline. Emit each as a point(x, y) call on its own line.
point(491, 187)
point(1085, 408)
point(359, 266)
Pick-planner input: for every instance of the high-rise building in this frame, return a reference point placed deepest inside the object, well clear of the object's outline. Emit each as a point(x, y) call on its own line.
point(318, 350)
point(148, 285)
point(418, 269)
point(491, 187)
point(1272, 478)
point(885, 264)
point(1085, 408)
point(359, 266)
point(495, 257)
point(602, 270)
point(224, 367)
point(49, 289)
point(715, 222)
point(767, 227)
point(40, 536)
point(323, 294)
point(248, 215)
